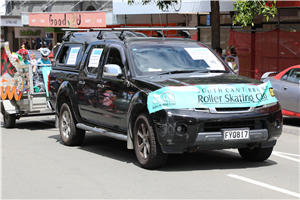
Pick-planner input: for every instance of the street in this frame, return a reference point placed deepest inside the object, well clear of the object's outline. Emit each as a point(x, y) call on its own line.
point(36, 165)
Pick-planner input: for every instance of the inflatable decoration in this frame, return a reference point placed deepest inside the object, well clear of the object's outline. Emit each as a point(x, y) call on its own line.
point(11, 79)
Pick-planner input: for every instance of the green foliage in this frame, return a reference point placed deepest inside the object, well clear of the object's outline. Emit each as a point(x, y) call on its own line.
point(247, 10)
point(161, 4)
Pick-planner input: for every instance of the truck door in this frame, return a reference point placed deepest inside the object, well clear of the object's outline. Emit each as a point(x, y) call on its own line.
point(112, 93)
point(87, 83)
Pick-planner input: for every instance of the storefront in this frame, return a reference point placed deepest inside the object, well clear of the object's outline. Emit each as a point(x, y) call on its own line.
point(8, 24)
point(32, 38)
point(52, 23)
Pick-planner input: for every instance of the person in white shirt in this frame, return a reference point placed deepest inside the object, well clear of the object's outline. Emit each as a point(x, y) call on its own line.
point(232, 59)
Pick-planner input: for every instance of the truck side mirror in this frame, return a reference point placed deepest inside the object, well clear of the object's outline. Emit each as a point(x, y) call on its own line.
point(112, 70)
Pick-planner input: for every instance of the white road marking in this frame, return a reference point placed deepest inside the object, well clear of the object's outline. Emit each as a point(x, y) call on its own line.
point(279, 154)
point(265, 185)
point(289, 154)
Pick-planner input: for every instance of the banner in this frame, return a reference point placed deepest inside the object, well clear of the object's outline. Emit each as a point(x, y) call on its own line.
point(211, 96)
point(78, 19)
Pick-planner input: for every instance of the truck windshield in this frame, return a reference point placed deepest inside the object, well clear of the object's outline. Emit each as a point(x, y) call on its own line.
point(161, 59)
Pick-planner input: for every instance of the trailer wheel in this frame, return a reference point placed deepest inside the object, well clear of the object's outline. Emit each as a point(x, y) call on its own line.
point(9, 120)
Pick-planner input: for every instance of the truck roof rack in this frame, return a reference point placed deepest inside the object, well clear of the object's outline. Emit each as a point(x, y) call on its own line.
point(122, 36)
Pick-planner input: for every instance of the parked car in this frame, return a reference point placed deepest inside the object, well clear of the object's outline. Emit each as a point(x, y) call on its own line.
point(286, 85)
point(162, 96)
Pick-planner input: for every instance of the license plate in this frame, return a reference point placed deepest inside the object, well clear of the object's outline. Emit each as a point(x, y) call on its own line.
point(235, 134)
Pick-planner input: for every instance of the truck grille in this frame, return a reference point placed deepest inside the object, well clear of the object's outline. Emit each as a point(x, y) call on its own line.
point(217, 126)
point(232, 109)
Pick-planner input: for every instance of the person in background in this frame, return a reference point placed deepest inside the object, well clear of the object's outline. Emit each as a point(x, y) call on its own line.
point(45, 53)
point(33, 62)
point(232, 59)
point(218, 50)
point(43, 69)
point(23, 53)
point(51, 56)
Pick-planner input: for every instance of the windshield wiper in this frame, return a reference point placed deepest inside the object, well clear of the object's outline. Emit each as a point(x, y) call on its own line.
point(212, 71)
point(177, 72)
point(195, 71)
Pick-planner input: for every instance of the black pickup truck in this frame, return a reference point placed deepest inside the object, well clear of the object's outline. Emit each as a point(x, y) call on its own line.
point(160, 95)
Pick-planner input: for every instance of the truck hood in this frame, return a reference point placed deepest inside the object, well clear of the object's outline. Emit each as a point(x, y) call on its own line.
point(153, 83)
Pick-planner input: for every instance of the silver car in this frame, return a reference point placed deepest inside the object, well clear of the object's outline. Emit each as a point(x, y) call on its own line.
point(286, 85)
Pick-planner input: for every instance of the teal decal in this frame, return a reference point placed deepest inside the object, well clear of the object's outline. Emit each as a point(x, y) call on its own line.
point(211, 96)
point(46, 70)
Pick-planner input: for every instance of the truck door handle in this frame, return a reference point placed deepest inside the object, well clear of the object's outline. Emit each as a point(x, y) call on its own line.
point(100, 85)
point(284, 88)
point(81, 82)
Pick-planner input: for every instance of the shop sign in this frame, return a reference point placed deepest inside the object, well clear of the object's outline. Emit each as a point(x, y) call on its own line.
point(11, 22)
point(30, 32)
point(78, 19)
point(122, 7)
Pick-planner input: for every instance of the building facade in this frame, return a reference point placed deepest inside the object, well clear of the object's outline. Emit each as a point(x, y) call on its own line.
point(260, 47)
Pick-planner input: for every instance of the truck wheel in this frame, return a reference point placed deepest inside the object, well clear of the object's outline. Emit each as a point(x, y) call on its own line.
point(146, 147)
point(9, 120)
point(69, 134)
point(256, 154)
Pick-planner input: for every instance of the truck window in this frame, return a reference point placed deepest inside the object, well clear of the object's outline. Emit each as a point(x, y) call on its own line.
point(93, 62)
point(63, 55)
point(69, 55)
point(114, 57)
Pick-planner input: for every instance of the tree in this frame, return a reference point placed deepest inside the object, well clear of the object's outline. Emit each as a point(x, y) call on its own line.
point(246, 11)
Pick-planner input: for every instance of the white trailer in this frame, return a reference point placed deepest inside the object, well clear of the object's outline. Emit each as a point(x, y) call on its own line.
point(18, 95)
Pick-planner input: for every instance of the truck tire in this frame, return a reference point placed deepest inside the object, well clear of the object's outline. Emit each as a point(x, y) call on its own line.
point(256, 154)
point(9, 120)
point(70, 135)
point(146, 146)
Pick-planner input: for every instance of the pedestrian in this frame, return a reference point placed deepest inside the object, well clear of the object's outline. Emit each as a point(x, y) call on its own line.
point(219, 50)
point(232, 59)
